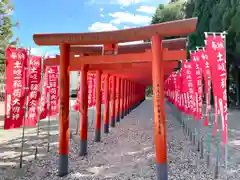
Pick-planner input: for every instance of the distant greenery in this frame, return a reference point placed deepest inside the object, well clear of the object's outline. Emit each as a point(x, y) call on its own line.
point(5, 29)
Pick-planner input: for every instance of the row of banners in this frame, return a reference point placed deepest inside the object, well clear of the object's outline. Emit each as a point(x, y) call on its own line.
point(31, 97)
point(184, 88)
point(26, 101)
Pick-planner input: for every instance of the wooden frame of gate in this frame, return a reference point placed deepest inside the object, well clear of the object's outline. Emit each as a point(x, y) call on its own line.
point(133, 67)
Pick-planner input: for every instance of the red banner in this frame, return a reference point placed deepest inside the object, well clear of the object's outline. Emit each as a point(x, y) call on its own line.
point(44, 99)
point(53, 91)
point(217, 56)
point(77, 103)
point(34, 75)
point(191, 87)
point(204, 63)
point(196, 59)
point(16, 64)
point(90, 89)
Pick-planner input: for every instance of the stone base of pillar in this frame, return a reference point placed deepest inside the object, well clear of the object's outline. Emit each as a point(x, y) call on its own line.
point(83, 148)
point(97, 135)
point(113, 122)
point(122, 115)
point(106, 128)
point(63, 165)
point(162, 171)
point(118, 118)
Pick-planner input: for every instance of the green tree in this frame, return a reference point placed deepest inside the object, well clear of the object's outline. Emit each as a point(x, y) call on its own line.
point(5, 29)
point(169, 12)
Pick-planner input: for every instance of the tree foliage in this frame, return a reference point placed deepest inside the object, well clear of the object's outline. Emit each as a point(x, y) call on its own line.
point(5, 28)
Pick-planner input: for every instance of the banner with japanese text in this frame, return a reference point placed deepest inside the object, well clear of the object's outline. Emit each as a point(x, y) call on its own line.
point(206, 71)
point(90, 79)
point(34, 80)
point(44, 94)
point(77, 102)
point(198, 76)
point(217, 59)
point(16, 67)
point(53, 98)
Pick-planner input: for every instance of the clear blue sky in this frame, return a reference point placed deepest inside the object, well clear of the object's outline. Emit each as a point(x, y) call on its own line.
point(55, 16)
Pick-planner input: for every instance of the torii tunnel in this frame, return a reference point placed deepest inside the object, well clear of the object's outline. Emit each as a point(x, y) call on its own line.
point(133, 67)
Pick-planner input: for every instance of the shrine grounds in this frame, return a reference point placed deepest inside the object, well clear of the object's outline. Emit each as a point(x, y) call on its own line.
point(127, 152)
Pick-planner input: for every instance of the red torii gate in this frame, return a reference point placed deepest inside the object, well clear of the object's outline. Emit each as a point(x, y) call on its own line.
point(150, 61)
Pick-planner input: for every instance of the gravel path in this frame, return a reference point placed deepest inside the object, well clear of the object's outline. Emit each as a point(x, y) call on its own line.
point(126, 153)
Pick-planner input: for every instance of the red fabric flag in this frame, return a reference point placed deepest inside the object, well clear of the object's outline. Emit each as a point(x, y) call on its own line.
point(77, 103)
point(204, 64)
point(194, 86)
point(190, 76)
point(217, 56)
point(16, 64)
point(196, 59)
point(44, 99)
point(90, 89)
point(34, 75)
point(184, 88)
point(53, 90)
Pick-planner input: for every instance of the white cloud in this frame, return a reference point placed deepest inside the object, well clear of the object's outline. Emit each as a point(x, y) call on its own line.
point(146, 9)
point(101, 9)
point(127, 2)
point(122, 3)
point(126, 27)
point(102, 15)
point(125, 17)
point(43, 51)
point(98, 26)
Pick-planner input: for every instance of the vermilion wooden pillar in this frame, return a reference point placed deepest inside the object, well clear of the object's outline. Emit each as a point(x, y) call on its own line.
point(84, 113)
point(98, 107)
point(113, 115)
point(131, 97)
point(125, 98)
point(106, 104)
point(118, 98)
point(122, 98)
point(135, 96)
point(128, 97)
point(64, 110)
point(158, 104)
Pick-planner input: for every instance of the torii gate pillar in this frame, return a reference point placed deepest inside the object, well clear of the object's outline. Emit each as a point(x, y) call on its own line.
point(158, 106)
point(64, 110)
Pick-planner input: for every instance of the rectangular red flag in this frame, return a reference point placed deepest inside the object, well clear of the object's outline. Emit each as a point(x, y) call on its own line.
point(77, 102)
point(90, 89)
point(34, 79)
point(194, 83)
point(196, 59)
point(191, 87)
point(184, 87)
point(53, 90)
point(44, 100)
point(217, 55)
point(204, 63)
point(16, 68)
